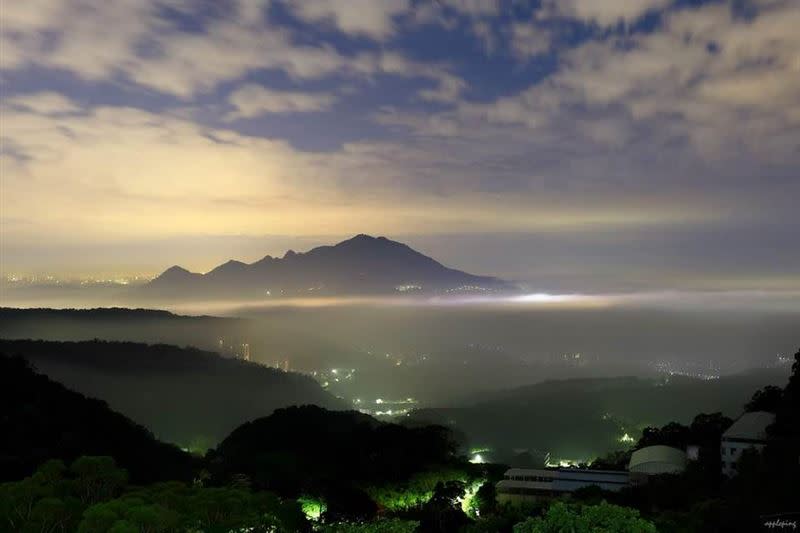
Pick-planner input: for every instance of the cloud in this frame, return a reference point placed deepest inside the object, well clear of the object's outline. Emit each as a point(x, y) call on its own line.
point(44, 103)
point(448, 86)
point(690, 121)
point(93, 40)
point(252, 100)
point(124, 173)
point(529, 40)
point(372, 18)
point(726, 85)
point(132, 40)
point(475, 8)
point(601, 12)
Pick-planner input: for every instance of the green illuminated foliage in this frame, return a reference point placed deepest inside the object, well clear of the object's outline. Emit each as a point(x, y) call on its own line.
point(485, 500)
point(312, 507)
point(97, 478)
point(86, 498)
point(601, 518)
point(417, 491)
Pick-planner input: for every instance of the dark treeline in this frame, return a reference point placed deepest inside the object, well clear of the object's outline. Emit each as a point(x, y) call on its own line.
point(41, 420)
point(184, 395)
point(116, 323)
point(348, 472)
point(309, 448)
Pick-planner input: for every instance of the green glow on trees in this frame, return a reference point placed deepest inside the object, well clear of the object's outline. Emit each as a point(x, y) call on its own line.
point(312, 507)
point(414, 492)
point(587, 519)
point(468, 503)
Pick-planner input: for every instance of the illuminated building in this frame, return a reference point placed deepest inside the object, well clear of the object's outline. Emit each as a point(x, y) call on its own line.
point(528, 484)
point(246, 352)
point(749, 431)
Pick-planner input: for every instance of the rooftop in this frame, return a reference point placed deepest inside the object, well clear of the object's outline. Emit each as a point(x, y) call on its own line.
point(750, 426)
point(658, 454)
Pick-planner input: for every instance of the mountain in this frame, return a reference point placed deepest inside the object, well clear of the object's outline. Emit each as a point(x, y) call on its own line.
point(41, 419)
point(361, 265)
point(184, 395)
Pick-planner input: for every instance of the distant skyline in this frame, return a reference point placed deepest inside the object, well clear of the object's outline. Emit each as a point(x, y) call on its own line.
point(573, 144)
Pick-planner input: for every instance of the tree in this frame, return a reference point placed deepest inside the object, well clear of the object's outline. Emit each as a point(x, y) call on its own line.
point(767, 399)
point(616, 460)
point(97, 478)
point(349, 504)
point(486, 498)
point(126, 512)
point(706, 432)
point(40, 419)
point(673, 434)
point(312, 450)
point(416, 491)
point(40, 502)
point(601, 518)
point(787, 420)
point(443, 511)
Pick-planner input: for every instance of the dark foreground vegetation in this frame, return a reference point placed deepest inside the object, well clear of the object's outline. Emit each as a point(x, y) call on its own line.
point(82, 467)
point(41, 419)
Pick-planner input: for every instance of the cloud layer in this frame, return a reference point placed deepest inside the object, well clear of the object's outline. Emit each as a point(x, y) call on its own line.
point(553, 122)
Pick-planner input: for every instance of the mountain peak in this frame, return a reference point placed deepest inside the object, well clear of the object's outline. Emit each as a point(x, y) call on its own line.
point(365, 240)
point(231, 266)
point(174, 274)
point(175, 270)
point(361, 264)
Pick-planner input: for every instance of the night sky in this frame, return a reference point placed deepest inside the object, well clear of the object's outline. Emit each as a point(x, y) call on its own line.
point(577, 144)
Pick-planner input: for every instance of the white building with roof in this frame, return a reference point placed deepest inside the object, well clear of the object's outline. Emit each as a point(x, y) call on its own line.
point(527, 484)
point(749, 431)
point(658, 460)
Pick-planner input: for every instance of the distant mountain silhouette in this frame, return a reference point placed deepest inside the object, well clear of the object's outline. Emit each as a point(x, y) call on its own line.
point(360, 265)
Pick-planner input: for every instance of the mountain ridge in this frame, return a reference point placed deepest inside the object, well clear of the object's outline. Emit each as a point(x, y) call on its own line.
point(359, 265)
point(182, 395)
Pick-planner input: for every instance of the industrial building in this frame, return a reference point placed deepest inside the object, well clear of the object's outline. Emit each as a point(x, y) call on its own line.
point(526, 484)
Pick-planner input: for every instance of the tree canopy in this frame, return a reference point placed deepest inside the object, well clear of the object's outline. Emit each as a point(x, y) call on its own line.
point(601, 518)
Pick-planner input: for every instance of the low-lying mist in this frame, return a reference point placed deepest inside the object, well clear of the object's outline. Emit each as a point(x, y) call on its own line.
point(449, 351)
